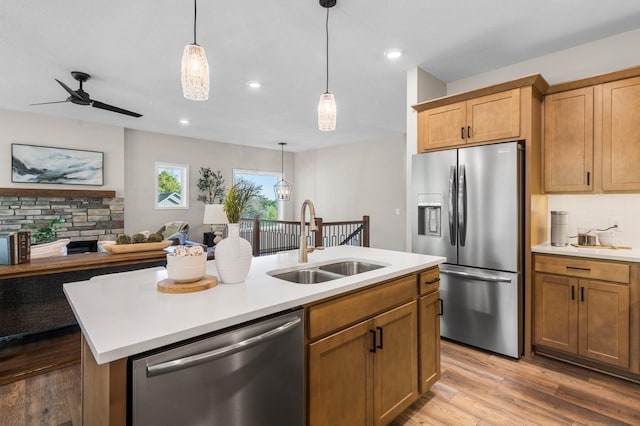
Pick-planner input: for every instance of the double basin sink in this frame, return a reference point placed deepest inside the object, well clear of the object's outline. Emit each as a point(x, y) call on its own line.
point(328, 272)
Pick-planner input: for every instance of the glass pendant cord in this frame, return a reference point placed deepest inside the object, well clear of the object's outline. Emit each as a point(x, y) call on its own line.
point(195, 20)
point(326, 28)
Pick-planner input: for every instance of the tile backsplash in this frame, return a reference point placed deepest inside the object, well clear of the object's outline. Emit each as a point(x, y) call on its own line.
point(601, 211)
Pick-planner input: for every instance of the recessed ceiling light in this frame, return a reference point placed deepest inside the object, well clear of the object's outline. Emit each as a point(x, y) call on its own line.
point(254, 84)
point(393, 53)
point(184, 121)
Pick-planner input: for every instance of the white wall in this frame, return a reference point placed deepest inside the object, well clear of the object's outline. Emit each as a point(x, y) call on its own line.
point(599, 57)
point(601, 211)
point(144, 149)
point(35, 129)
point(350, 181)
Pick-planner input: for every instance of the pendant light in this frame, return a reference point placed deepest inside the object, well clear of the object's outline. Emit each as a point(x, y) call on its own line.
point(195, 68)
point(282, 189)
point(327, 105)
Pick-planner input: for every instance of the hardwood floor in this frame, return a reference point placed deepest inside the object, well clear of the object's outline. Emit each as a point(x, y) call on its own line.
point(480, 388)
point(51, 398)
point(476, 388)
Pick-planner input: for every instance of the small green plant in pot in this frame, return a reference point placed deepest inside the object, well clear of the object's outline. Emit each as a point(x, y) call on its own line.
point(46, 233)
point(238, 197)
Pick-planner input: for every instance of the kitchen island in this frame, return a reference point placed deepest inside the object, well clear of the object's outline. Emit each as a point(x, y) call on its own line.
point(122, 315)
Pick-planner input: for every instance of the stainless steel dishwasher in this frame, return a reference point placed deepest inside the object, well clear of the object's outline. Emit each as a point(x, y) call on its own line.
point(250, 375)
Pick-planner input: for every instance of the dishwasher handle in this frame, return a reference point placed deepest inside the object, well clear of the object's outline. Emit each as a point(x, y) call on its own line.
point(478, 277)
point(193, 360)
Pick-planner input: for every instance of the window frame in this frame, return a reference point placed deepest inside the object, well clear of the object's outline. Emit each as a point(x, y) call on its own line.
point(183, 169)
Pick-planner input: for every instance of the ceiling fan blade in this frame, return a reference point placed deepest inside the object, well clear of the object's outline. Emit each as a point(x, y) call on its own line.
point(98, 104)
point(47, 103)
point(71, 91)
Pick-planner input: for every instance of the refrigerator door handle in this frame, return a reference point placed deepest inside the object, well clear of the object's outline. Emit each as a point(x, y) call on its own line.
point(478, 277)
point(189, 361)
point(462, 205)
point(452, 205)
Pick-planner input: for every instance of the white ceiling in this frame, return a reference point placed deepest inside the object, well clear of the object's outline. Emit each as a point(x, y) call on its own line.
point(132, 49)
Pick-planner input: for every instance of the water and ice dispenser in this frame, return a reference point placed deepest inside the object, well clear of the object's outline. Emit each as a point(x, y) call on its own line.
point(430, 214)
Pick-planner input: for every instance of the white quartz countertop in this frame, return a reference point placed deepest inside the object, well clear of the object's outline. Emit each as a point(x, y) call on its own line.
point(625, 255)
point(124, 314)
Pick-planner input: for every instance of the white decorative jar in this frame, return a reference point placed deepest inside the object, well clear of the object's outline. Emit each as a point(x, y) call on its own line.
point(186, 269)
point(233, 256)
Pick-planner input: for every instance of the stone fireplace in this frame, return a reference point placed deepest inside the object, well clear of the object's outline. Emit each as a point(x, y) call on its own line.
point(88, 215)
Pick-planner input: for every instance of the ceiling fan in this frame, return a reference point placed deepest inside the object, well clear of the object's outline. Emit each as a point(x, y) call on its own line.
point(80, 97)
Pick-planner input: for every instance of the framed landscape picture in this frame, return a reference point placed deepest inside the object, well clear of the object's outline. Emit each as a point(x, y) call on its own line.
point(43, 164)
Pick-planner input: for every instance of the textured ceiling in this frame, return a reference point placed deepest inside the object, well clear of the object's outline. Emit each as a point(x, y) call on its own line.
point(133, 49)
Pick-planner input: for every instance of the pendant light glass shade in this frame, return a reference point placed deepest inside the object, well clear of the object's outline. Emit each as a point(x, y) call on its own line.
point(327, 112)
point(282, 189)
point(195, 73)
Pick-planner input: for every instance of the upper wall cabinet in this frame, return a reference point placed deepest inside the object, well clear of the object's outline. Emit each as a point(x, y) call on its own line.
point(483, 119)
point(568, 141)
point(592, 138)
point(621, 135)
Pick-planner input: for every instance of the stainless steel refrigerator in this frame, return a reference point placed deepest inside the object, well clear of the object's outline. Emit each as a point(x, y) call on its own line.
point(468, 207)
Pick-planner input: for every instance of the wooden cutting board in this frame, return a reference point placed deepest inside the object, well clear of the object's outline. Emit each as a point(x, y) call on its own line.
point(170, 286)
point(604, 247)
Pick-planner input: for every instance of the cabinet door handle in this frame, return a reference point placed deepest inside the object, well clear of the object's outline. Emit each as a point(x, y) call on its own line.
point(441, 302)
point(573, 293)
point(588, 178)
point(469, 132)
point(373, 348)
point(582, 294)
point(433, 281)
point(380, 330)
point(461, 132)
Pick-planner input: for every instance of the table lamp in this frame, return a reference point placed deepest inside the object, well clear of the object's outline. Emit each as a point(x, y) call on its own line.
point(215, 216)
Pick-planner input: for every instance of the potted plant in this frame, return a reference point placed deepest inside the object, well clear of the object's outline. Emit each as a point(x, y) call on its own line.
point(46, 233)
point(238, 198)
point(212, 185)
point(233, 254)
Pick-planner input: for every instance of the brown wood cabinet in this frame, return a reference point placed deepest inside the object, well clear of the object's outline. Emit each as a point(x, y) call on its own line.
point(366, 374)
point(568, 141)
point(580, 315)
point(486, 118)
point(592, 137)
point(372, 351)
point(621, 135)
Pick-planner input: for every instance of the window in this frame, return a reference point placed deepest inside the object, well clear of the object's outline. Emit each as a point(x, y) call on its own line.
point(267, 207)
point(172, 186)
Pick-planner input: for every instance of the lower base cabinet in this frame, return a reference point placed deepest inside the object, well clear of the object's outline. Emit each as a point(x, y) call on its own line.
point(371, 353)
point(581, 316)
point(367, 373)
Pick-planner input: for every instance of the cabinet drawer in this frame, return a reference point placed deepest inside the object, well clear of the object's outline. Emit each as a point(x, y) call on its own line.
point(583, 268)
point(334, 314)
point(429, 281)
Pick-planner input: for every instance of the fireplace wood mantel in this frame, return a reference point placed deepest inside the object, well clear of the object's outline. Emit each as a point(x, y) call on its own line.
point(35, 192)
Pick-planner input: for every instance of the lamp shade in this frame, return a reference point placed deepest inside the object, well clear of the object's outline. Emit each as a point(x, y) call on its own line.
point(214, 214)
point(195, 73)
point(327, 112)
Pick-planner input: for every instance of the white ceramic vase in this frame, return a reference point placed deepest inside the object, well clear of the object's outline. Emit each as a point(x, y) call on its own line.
point(233, 256)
